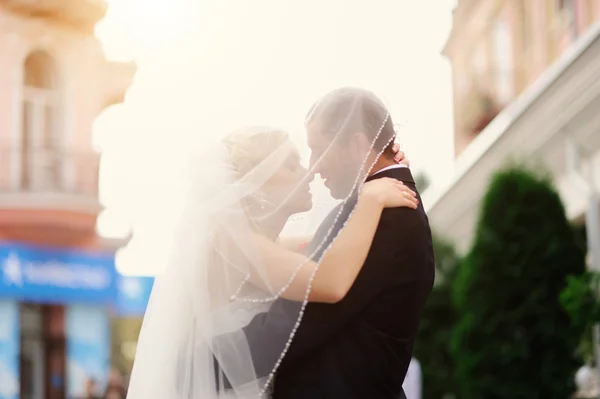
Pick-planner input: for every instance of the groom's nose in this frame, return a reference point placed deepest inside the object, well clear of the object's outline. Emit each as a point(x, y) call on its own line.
point(313, 165)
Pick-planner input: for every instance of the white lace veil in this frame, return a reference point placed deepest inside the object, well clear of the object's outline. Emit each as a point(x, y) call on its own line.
point(243, 191)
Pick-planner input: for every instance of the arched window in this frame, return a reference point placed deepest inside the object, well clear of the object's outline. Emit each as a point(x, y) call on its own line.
point(39, 135)
point(504, 65)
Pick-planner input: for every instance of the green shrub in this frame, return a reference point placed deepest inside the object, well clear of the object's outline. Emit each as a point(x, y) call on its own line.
point(514, 339)
point(432, 347)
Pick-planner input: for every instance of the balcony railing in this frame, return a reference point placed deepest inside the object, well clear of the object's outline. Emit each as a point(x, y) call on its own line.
point(83, 14)
point(40, 170)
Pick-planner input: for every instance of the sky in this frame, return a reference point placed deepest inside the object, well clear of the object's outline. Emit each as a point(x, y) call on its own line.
point(229, 63)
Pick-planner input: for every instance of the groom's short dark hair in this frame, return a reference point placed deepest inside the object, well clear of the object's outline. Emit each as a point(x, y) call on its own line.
point(349, 109)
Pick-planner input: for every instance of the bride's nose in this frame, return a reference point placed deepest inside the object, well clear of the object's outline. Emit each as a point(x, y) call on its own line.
point(309, 176)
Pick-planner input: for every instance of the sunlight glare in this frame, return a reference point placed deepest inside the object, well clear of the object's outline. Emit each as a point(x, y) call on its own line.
point(205, 67)
point(151, 24)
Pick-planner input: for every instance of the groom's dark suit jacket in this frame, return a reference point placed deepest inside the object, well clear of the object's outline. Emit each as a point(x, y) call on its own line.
point(361, 346)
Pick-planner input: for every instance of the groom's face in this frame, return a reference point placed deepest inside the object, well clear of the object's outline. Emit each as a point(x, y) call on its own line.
point(335, 157)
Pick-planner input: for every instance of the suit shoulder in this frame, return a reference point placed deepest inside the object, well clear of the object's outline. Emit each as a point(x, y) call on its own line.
point(406, 227)
point(402, 216)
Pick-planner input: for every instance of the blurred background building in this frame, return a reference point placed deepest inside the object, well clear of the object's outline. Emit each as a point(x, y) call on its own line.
point(526, 85)
point(58, 280)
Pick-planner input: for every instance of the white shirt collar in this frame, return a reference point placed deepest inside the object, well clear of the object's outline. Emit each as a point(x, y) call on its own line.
point(396, 166)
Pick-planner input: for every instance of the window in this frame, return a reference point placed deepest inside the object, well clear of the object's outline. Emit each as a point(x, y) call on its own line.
point(526, 25)
point(39, 134)
point(503, 61)
point(479, 62)
point(568, 13)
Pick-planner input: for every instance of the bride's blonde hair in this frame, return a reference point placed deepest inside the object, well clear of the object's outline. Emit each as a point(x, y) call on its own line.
point(248, 147)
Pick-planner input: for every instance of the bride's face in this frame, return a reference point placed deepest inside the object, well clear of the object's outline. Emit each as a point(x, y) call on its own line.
point(290, 186)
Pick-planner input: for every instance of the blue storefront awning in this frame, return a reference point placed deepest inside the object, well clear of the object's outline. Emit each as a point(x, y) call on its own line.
point(49, 275)
point(133, 294)
point(66, 276)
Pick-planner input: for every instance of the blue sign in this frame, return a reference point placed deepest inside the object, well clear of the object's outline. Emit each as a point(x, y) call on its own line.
point(56, 276)
point(9, 350)
point(133, 295)
point(88, 347)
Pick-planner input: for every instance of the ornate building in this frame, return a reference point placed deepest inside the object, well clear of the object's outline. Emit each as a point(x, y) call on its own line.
point(499, 48)
point(57, 274)
point(526, 85)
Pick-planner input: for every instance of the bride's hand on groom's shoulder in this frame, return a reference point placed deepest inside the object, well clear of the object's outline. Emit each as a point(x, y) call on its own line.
point(400, 157)
point(389, 193)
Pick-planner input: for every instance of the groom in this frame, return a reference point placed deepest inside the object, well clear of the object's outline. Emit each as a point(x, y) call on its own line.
point(361, 346)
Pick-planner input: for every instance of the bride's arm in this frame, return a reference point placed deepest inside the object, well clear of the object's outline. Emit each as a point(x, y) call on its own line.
point(339, 266)
point(342, 262)
point(294, 243)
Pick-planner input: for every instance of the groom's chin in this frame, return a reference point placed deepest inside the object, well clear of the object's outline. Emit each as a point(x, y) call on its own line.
point(337, 194)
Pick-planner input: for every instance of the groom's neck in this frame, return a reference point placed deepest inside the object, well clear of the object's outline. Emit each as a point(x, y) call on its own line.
point(382, 162)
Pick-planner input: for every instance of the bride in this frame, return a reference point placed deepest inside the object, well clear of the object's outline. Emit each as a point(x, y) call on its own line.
point(230, 261)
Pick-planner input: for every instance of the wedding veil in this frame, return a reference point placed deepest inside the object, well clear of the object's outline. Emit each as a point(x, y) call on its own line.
point(224, 311)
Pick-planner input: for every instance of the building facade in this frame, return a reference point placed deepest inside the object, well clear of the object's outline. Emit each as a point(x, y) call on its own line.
point(526, 87)
point(499, 48)
point(58, 278)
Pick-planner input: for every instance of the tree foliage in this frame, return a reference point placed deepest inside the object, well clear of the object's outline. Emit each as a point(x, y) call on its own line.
point(422, 182)
point(513, 338)
point(437, 320)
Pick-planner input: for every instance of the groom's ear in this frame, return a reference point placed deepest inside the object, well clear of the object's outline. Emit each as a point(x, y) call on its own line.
point(358, 145)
